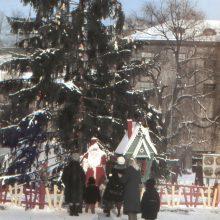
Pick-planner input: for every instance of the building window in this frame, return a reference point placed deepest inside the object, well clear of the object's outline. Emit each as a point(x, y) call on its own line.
point(209, 32)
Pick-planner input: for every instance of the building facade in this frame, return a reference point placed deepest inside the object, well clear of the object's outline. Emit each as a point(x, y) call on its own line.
point(186, 84)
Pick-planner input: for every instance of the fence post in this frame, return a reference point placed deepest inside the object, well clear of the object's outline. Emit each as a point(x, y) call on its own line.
point(6, 192)
point(179, 196)
point(203, 197)
point(214, 197)
point(191, 195)
point(197, 197)
point(16, 193)
point(0, 192)
point(11, 194)
point(185, 197)
point(173, 195)
point(209, 196)
point(49, 198)
point(41, 196)
point(61, 199)
point(55, 188)
point(218, 195)
point(20, 195)
point(30, 196)
point(167, 197)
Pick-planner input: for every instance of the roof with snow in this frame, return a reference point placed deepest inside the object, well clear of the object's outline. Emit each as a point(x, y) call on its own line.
point(203, 31)
point(139, 145)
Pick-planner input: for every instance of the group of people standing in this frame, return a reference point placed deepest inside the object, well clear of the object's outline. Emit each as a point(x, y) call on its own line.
point(123, 188)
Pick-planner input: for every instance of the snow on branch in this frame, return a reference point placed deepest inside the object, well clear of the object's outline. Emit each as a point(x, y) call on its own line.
point(19, 64)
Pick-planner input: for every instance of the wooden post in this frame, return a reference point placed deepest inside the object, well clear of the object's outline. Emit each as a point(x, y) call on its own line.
point(6, 193)
point(173, 193)
point(26, 196)
point(41, 196)
point(61, 199)
point(209, 196)
point(30, 198)
point(191, 192)
point(185, 197)
point(214, 198)
point(218, 195)
point(168, 201)
point(48, 198)
point(20, 195)
point(11, 193)
point(16, 193)
point(197, 197)
point(35, 198)
point(179, 196)
point(203, 198)
point(55, 196)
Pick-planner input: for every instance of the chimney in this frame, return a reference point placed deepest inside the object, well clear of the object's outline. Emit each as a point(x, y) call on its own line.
point(129, 124)
point(93, 140)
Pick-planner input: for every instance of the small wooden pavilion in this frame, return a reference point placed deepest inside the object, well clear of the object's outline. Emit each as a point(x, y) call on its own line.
point(137, 143)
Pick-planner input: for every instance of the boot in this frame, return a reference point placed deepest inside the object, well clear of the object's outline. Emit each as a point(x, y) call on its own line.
point(119, 213)
point(80, 208)
point(71, 210)
point(118, 205)
point(107, 213)
point(74, 210)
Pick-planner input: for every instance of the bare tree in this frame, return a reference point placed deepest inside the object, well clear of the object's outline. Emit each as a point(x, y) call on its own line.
point(183, 65)
point(135, 22)
point(2, 20)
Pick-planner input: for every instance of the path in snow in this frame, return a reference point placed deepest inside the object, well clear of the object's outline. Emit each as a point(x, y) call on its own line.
point(16, 213)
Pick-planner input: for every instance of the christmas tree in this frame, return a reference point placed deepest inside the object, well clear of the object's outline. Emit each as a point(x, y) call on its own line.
point(81, 82)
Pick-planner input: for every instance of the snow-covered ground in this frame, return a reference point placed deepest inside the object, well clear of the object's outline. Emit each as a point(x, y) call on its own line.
point(17, 213)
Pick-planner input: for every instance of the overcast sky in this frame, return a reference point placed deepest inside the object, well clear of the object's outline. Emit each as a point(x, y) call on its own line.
point(210, 7)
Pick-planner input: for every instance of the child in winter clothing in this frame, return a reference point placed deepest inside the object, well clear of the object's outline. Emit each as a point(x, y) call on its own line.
point(92, 195)
point(114, 191)
point(113, 194)
point(150, 202)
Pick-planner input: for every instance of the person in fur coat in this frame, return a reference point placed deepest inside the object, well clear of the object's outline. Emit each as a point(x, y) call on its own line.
point(73, 178)
point(150, 202)
point(131, 179)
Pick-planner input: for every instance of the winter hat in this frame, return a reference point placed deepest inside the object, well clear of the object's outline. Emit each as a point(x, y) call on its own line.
point(91, 180)
point(150, 183)
point(75, 157)
point(120, 163)
point(121, 160)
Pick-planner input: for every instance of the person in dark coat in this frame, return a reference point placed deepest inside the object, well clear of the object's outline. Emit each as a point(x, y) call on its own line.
point(114, 191)
point(92, 195)
point(150, 202)
point(73, 178)
point(132, 185)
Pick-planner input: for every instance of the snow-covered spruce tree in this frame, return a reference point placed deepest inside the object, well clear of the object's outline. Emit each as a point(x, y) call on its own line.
point(81, 77)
